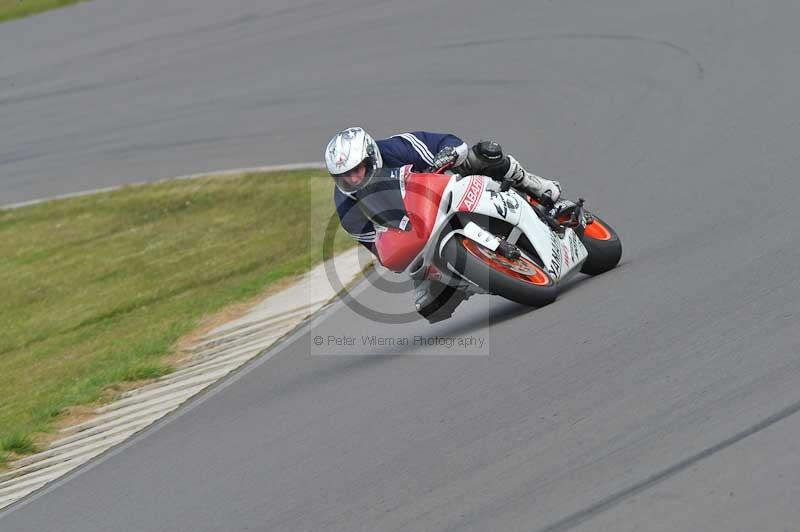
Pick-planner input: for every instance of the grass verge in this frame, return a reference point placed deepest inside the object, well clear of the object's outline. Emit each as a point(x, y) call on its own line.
point(17, 443)
point(97, 290)
point(11, 9)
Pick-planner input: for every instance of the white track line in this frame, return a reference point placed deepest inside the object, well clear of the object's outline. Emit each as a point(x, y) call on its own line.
point(221, 173)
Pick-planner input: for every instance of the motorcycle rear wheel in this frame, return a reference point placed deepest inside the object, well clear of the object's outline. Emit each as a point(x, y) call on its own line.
point(519, 280)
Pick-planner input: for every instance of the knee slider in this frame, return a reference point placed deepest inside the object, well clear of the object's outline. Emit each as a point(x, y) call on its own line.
point(488, 151)
point(486, 157)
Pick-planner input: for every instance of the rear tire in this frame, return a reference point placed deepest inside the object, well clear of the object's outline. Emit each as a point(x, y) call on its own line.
point(603, 245)
point(519, 280)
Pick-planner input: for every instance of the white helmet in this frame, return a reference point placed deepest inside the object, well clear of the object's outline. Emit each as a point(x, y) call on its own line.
point(348, 149)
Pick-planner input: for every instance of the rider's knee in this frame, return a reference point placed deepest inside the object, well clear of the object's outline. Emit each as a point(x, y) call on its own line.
point(486, 158)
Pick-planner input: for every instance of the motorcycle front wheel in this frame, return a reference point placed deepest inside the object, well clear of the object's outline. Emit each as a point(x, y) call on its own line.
point(603, 245)
point(520, 280)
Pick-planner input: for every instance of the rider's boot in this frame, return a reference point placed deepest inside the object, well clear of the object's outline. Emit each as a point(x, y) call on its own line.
point(423, 293)
point(532, 184)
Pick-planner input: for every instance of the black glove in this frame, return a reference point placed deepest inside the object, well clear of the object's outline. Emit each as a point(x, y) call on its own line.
point(446, 155)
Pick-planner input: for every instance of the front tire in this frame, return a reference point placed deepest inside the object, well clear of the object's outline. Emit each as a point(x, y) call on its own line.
point(519, 280)
point(603, 245)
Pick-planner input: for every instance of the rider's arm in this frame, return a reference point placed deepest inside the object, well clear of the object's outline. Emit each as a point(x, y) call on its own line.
point(353, 220)
point(438, 141)
point(419, 149)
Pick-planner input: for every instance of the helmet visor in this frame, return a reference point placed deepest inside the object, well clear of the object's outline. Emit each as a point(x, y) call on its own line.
point(356, 178)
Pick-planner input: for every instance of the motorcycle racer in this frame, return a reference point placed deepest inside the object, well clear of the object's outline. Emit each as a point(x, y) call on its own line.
point(352, 157)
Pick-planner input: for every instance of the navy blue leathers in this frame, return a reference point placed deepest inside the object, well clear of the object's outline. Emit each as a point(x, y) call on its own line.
point(418, 149)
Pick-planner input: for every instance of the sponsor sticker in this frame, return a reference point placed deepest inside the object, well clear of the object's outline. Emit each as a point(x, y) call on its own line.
point(500, 206)
point(405, 174)
point(573, 241)
point(504, 203)
point(555, 256)
point(473, 194)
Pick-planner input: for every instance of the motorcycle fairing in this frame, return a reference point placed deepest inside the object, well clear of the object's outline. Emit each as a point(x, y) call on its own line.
point(415, 245)
point(560, 256)
point(481, 195)
point(381, 199)
point(421, 195)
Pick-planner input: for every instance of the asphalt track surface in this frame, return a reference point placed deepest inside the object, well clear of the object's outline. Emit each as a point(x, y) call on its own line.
point(663, 395)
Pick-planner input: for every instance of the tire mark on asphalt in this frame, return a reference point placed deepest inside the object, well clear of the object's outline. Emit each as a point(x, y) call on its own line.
point(580, 517)
point(585, 36)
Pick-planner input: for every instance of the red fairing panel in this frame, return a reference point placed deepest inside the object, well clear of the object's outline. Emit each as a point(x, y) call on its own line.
point(396, 249)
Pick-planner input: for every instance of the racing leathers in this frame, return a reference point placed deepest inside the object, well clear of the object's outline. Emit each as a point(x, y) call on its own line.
point(426, 151)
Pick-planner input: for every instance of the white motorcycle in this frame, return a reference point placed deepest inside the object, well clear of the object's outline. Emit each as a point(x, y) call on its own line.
point(475, 235)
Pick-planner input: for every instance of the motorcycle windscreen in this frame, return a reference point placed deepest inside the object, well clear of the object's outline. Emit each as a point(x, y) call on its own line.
point(381, 200)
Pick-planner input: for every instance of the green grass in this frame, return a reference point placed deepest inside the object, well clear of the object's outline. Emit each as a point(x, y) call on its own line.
point(147, 372)
point(17, 443)
point(95, 291)
point(10, 9)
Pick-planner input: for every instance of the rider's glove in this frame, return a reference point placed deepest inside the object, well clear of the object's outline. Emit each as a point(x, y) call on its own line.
point(446, 155)
point(551, 190)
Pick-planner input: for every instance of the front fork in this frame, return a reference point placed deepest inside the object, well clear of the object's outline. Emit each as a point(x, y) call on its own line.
point(579, 219)
point(554, 217)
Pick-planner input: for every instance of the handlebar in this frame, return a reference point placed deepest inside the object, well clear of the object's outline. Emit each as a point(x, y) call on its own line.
point(443, 169)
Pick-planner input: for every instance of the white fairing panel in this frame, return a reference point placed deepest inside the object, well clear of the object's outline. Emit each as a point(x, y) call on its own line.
point(561, 256)
point(481, 195)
